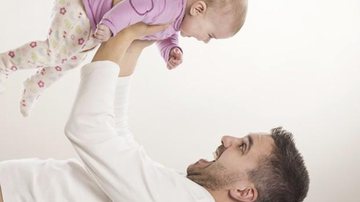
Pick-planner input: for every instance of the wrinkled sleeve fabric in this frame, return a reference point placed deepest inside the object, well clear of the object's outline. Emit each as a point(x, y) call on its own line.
point(126, 13)
point(97, 128)
point(166, 45)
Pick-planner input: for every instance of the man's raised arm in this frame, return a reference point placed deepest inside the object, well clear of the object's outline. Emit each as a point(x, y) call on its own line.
point(98, 131)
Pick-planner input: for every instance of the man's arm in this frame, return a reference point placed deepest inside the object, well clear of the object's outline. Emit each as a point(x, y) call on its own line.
point(105, 150)
point(98, 131)
point(115, 49)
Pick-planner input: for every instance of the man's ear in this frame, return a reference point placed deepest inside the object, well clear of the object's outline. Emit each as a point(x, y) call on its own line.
point(198, 7)
point(246, 194)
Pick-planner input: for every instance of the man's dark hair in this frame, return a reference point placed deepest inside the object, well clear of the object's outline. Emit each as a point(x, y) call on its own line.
point(282, 175)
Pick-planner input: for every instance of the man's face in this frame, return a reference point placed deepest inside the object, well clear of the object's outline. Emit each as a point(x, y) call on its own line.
point(233, 159)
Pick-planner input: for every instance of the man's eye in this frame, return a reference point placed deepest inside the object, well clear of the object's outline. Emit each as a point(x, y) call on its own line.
point(215, 155)
point(243, 147)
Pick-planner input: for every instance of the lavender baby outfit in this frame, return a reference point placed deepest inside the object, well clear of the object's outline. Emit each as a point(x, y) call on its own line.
point(70, 38)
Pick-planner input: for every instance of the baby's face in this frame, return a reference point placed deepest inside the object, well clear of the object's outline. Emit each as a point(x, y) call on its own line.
point(205, 27)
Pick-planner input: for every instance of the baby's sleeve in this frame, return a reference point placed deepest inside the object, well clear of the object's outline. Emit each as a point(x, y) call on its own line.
point(167, 44)
point(126, 13)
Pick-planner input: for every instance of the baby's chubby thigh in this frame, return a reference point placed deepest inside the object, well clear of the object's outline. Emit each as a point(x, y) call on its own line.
point(70, 32)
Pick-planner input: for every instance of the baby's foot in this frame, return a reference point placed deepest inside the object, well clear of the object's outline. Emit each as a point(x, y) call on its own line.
point(30, 97)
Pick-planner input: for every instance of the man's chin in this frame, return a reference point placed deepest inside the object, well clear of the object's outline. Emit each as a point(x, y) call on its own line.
point(195, 168)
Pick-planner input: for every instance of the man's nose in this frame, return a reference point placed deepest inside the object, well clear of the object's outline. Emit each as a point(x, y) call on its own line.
point(227, 141)
point(206, 40)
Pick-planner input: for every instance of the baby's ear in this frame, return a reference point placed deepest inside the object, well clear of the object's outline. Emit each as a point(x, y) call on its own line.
point(198, 8)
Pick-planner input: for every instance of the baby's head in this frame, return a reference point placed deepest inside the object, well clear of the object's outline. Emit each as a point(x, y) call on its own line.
point(218, 19)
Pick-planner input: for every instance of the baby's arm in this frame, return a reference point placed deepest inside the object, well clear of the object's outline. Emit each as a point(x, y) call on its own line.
point(170, 51)
point(122, 15)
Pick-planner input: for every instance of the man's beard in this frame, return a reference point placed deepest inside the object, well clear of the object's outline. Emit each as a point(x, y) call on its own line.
point(213, 177)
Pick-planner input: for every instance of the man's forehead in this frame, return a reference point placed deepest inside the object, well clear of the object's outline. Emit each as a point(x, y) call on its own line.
point(259, 134)
point(262, 143)
point(260, 137)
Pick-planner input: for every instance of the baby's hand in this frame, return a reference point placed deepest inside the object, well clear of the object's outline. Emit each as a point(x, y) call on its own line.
point(175, 58)
point(102, 33)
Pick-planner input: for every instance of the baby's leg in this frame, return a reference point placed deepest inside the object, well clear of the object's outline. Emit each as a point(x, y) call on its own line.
point(43, 79)
point(68, 34)
point(35, 54)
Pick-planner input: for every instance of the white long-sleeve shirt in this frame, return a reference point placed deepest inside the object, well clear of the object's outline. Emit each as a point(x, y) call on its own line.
point(113, 166)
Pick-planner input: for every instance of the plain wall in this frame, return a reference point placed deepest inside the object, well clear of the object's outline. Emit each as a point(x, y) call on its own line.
point(294, 64)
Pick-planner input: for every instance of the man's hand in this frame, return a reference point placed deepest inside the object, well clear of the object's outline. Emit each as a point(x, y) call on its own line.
point(115, 48)
point(175, 58)
point(102, 33)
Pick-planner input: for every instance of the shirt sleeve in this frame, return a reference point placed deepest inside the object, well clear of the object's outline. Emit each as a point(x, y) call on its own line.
point(98, 131)
point(166, 45)
point(126, 13)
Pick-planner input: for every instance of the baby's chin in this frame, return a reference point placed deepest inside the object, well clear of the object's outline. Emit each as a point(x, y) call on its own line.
point(183, 34)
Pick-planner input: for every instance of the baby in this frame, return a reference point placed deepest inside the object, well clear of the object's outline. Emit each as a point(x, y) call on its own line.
point(78, 26)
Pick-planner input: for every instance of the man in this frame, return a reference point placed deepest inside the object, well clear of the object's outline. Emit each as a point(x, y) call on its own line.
point(114, 167)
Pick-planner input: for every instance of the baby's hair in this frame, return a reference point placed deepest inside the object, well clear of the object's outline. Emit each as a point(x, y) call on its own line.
point(236, 9)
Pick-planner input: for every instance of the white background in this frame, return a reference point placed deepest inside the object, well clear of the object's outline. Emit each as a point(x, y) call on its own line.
point(294, 64)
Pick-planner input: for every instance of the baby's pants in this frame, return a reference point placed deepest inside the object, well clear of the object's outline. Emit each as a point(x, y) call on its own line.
point(68, 40)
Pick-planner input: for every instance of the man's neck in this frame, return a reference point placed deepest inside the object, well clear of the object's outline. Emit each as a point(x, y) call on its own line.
point(219, 195)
